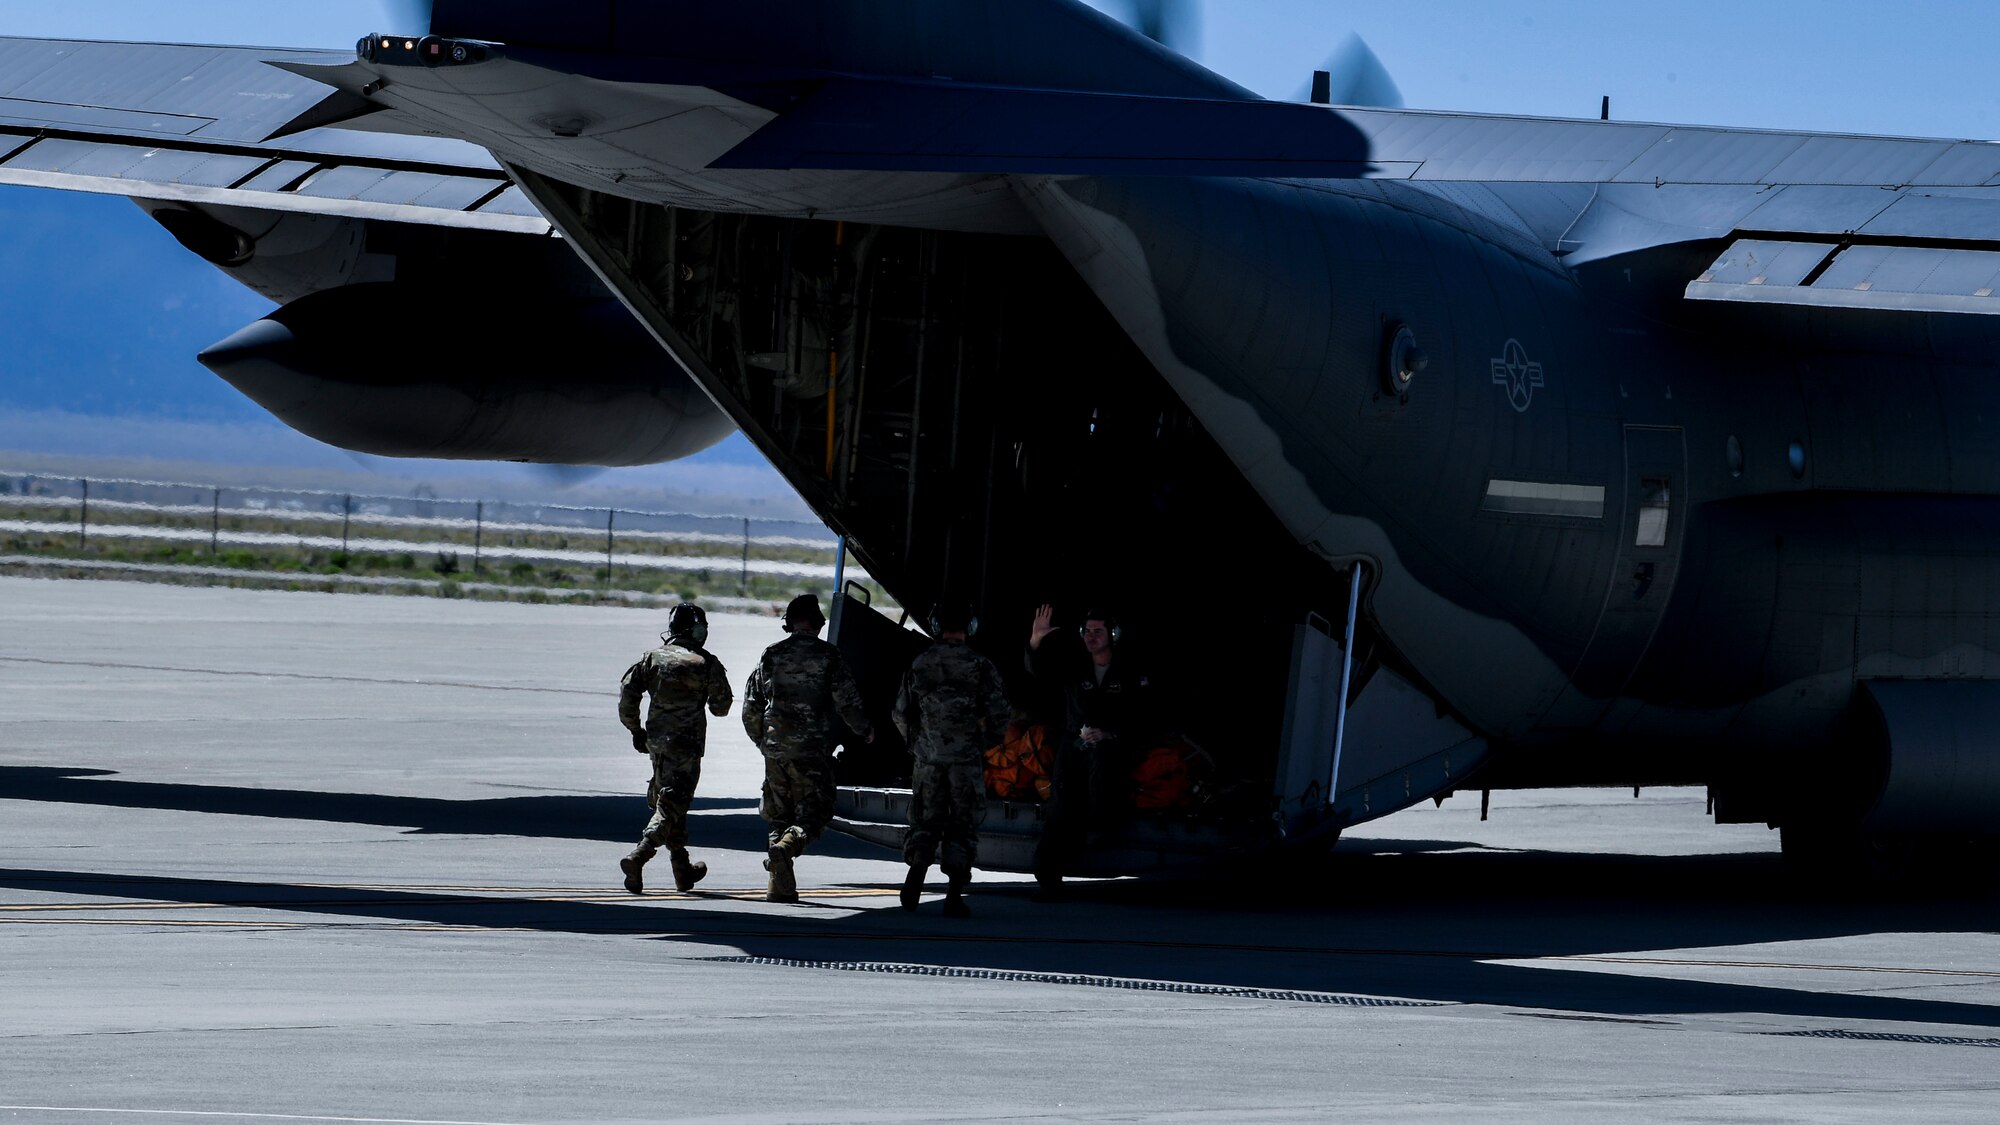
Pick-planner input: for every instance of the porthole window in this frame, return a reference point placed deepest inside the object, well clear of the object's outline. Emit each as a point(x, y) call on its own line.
point(1735, 454)
point(1796, 457)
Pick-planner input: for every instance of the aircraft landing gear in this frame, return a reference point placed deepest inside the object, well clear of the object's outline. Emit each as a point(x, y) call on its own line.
point(1829, 856)
point(1834, 858)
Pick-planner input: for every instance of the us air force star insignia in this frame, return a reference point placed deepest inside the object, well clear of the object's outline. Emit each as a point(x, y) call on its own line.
point(1519, 374)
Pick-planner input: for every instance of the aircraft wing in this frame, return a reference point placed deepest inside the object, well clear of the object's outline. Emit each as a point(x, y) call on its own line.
point(226, 125)
point(1817, 220)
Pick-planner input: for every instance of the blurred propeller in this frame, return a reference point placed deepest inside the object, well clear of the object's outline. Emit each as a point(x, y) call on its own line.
point(564, 476)
point(1359, 78)
point(408, 16)
point(1172, 23)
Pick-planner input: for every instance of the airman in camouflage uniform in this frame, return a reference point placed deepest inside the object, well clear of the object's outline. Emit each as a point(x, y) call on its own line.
point(788, 710)
point(683, 678)
point(951, 706)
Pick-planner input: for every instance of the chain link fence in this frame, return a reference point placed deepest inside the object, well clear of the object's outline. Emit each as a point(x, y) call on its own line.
point(525, 550)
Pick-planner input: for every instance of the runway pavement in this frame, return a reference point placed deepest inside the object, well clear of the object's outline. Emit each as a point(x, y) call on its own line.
point(333, 858)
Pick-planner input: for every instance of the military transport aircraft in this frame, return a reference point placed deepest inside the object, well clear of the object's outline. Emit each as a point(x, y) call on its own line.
point(1557, 452)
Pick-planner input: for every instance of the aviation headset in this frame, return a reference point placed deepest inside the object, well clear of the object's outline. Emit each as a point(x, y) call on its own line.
point(1116, 630)
point(953, 614)
point(688, 620)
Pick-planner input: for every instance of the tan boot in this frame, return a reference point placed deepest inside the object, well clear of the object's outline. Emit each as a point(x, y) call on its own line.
point(954, 895)
point(687, 873)
point(913, 886)
point(782, 887)
point(634, 868)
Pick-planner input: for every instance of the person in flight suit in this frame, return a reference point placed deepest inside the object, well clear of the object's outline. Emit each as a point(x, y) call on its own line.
point(683, 678)
point(799, 685)
point(952, 705)
point(1107, 710)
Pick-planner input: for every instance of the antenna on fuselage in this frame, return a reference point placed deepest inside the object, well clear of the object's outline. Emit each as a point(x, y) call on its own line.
point(1604, 111)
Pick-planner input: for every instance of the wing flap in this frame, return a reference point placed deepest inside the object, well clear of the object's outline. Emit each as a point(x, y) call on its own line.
point(214, 125)
point(269, 180)
point(1889, 278)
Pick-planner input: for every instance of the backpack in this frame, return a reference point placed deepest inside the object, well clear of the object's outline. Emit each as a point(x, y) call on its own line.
point(1018, 769)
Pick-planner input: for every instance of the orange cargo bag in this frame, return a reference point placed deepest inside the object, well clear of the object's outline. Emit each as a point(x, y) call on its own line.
point(1162, 778)
point(1018, 769)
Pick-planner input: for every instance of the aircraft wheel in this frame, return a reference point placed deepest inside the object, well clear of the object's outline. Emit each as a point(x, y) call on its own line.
point(1844, 858)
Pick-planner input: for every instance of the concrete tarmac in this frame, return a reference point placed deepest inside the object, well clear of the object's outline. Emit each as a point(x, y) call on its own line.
point(334, 858)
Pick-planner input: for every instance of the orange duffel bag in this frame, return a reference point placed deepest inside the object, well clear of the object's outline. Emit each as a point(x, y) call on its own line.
point(1018, 769)
point(1164, 778)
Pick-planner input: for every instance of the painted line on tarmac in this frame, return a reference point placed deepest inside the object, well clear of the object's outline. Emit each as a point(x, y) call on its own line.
point(263, 674)
point(244, 1116)
point(178, 923)
point(593, 898)
point(1672, 962)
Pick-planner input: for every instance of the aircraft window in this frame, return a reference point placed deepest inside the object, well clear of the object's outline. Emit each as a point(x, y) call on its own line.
point(1655, 501)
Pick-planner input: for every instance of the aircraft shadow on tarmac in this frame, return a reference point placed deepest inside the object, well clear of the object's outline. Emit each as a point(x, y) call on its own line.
point(730, 823)
point(1438, 927)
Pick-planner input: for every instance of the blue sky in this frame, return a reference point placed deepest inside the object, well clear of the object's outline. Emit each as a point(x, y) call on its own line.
point(105, 313)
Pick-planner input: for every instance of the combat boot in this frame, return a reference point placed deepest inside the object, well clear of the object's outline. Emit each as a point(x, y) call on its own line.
point(686, 873)
point(913, 885)
point(782, 887)
point(634, 868)
point(954, 896)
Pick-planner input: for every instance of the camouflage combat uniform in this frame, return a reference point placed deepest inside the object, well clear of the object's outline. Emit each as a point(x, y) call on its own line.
point(788, 710)
point(682, 678)
point(951, 706)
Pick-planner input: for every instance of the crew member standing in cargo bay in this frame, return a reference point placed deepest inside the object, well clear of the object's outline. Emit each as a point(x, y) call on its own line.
point(683, 678)
point(1107, 709)
point(799, 685)
point(951, 707)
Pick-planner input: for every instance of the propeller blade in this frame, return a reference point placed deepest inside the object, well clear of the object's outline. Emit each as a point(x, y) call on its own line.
point(409, 15)
point(1172, 23)
point(564, 476)
point(1359, 78)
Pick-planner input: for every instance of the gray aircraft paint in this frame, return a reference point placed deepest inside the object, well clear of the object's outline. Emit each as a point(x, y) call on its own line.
point(1503, 696)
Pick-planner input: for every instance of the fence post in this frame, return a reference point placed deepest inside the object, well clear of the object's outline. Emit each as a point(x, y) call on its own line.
point(83, 518)
point(478, 529)
point(745, 586)
point(346, 516)
point(215, 524)
point(610, 520)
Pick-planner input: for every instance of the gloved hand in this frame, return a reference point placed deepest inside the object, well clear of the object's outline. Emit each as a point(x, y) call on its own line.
point(639, 741)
